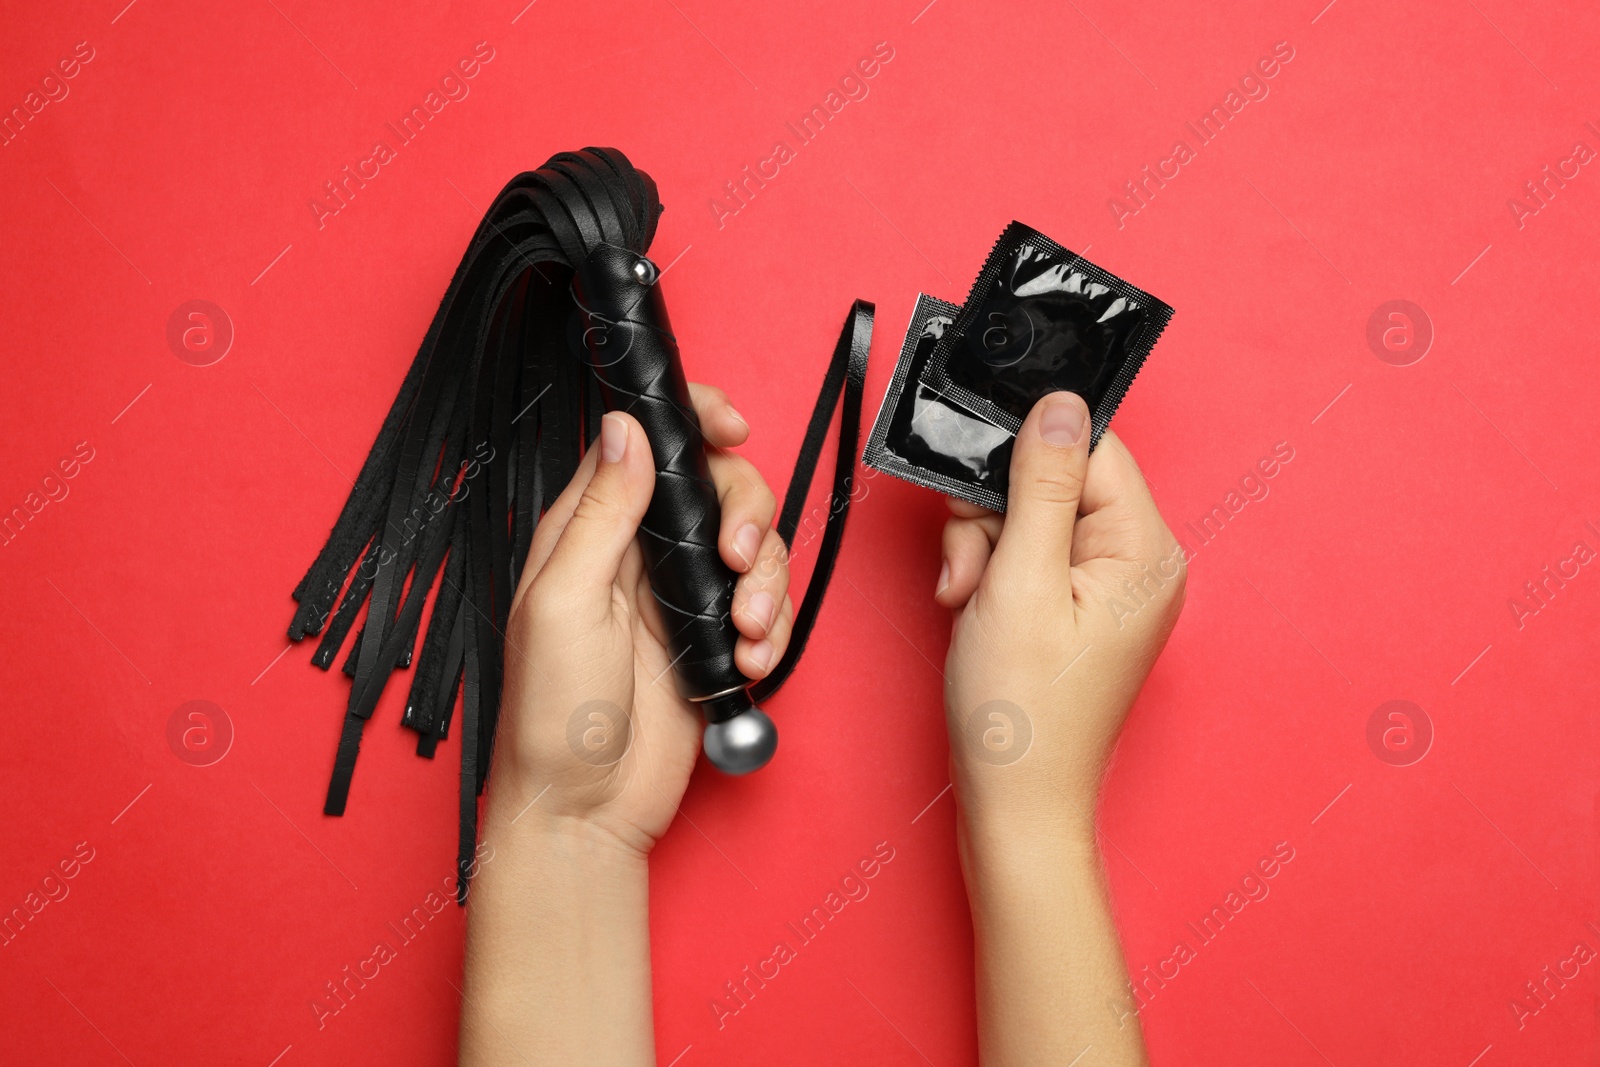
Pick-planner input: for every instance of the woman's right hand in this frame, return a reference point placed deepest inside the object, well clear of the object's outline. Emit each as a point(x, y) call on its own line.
point(1061, 608)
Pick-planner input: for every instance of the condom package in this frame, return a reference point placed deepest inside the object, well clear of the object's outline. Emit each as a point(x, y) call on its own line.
point(929, 440)
point(1039, 318)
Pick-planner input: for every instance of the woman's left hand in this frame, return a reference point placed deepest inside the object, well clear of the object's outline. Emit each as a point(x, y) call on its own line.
point(591, 726)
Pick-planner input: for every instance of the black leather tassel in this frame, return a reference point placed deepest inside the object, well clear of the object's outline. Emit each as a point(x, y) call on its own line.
point(488, 426)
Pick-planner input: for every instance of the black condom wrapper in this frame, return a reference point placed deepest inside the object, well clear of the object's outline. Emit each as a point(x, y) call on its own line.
point(924, 438)
point(1039, 318)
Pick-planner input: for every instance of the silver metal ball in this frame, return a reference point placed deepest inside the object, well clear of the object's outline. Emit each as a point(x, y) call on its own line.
point(645, 272)
point(741, 744)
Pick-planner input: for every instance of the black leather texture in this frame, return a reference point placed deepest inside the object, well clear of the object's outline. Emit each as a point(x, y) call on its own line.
point(634, 356)
point(552, 316)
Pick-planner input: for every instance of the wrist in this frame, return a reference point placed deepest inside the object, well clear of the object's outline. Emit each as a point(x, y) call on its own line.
point(1040, 795)
point(520, 816)
point(559, 920)
point(1007, 861)
point(1009, 829)
point(1032, 773)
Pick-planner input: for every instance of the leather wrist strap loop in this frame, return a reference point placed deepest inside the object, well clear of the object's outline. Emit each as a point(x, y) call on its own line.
point(847, 371)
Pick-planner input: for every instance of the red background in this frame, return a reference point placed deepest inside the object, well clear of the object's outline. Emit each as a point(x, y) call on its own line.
point(1381, 565)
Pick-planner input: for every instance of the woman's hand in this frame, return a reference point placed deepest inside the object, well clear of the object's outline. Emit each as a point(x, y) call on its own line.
point(593, 755)
point(1060, 611)
point(591, 722)
point(1061, 607)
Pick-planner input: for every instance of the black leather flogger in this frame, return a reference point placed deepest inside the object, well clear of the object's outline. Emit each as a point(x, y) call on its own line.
point(554, 316)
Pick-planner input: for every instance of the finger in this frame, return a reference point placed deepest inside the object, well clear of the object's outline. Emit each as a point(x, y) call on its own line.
point(1122, 545)
point(722, 426)
point(966, 509)
point(760, 591)
point(1118, 517)
point(747, 509)
point(990, 522)
point(1048, 465)
point(589, 551)
point(967, 545)
point(548, 531)
point(756, 658)
point(1114, 477)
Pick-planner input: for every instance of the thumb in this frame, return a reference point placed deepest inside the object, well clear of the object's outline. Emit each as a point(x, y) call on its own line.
point(1048, 465)
point(589, 552)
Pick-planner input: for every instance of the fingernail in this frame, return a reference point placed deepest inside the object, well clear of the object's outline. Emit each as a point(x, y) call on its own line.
point(944, 578)
point(746, 543)
point(761, 655)
point(1062, 421)
point(762, 608)
point(735, 413)
point(613, 438)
